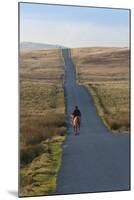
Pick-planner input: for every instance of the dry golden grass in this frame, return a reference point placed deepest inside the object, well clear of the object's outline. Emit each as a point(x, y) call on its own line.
point(42, 118)
point(42, 64)
point(105, 72)
point(101, 64)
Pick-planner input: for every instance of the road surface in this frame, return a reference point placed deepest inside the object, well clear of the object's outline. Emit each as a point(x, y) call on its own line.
point(96, 160)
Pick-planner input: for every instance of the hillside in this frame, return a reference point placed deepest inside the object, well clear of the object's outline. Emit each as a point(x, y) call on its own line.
point(37, 46)
point(105, 72)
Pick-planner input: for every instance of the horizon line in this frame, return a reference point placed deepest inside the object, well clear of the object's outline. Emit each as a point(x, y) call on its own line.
point(74, 47)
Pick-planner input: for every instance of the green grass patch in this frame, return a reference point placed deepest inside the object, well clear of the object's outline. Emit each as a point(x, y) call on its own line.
point(39, 177)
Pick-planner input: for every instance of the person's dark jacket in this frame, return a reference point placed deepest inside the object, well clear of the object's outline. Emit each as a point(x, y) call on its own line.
point(76, 113)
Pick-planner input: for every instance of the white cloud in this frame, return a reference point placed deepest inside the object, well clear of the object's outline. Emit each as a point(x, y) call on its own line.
point(73, 34)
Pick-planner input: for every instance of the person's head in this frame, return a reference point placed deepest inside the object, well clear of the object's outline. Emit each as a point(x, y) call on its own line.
point(76, 107)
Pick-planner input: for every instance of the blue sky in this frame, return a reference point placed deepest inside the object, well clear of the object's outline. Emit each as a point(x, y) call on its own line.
point(74, 26)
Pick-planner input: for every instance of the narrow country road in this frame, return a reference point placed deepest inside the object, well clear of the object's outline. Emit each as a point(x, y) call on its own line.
point(96, 160)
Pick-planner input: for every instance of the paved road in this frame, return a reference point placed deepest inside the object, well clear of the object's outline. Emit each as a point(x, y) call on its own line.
point(96, 160)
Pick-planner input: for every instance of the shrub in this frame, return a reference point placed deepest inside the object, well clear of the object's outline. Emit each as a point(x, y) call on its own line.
point(55, 119)
point(27, 154)
point(115, 126)
point(61, 131)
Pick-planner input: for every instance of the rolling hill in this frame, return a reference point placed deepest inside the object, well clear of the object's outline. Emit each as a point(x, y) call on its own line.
point(37, 46)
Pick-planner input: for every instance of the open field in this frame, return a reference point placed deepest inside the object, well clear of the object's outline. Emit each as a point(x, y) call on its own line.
point(42, 120)
point(105, 72)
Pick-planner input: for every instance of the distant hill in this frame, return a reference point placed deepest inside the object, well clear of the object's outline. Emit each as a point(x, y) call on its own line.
point(37, 46)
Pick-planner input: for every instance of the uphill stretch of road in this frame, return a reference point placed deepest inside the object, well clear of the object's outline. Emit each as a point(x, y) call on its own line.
point(96, 160)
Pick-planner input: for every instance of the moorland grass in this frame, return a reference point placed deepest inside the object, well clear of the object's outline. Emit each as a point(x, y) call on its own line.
point(42, 120)
point(105, 73)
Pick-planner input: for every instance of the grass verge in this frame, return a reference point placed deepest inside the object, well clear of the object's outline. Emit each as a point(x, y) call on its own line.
point(112, 104)
point(39, 176)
